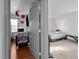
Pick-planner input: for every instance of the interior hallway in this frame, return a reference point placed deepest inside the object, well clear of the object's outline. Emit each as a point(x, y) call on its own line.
point(21, 53)
point(64, 49)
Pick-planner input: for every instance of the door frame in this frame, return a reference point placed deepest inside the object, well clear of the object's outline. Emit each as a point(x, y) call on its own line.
point(7, 34)
point(44, 29)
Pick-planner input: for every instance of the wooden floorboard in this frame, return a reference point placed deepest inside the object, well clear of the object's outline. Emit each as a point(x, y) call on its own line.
point(21, 53)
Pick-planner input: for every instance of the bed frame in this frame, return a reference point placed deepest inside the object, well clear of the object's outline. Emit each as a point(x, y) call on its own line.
point(74, 37)
point(65, 38)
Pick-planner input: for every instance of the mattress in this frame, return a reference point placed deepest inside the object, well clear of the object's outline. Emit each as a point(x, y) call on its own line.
point(22, 38)
point(56, 35)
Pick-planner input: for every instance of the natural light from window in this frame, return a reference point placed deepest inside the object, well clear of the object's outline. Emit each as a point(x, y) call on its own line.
point(14, 25)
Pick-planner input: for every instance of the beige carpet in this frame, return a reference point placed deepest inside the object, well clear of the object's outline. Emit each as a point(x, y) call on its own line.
point(64, 49)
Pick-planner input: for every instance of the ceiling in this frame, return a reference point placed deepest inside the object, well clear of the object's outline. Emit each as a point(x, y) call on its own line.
point(60, 7)
point(22, 5)
point(56, 7)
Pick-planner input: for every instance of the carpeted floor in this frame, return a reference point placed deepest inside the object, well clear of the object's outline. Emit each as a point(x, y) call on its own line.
point(64, 49)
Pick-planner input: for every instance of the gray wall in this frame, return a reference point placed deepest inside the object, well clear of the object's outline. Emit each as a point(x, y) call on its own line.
point(4, 29)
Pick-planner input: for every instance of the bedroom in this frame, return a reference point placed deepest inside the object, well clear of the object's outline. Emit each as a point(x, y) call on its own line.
point(20, 29)
point(61, 14)
point(63, 29)
point(27, 29)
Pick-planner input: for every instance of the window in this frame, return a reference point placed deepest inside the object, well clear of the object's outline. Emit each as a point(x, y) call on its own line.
point(14, 25)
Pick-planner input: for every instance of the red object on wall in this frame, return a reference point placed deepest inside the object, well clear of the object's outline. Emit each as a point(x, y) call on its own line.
point(22, 16)
point(17, 13)
point(21, 22)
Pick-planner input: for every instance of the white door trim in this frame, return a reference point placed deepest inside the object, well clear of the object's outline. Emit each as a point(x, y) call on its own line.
point(44, 29)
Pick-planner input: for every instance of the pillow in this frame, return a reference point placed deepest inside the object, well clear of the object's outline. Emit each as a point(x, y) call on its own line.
point(57, 30)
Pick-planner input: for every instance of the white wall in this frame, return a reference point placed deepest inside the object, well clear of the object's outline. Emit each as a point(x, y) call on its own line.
point(52, 24)
point(13, 16)
point(68, 23)
point(60, 7)
point(64, 14)
point(21, 5)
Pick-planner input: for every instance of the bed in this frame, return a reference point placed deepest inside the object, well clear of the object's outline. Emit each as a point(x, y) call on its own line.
point(22, 39)
point(57, 35)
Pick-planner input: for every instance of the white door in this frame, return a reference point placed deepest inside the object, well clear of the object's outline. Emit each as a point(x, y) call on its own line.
point(34, 18)
point(39, 29)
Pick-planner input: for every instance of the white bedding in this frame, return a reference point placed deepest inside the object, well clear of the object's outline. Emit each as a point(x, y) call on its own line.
point(56, 35)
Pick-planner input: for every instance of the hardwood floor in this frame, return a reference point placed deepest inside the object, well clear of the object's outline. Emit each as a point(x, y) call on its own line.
point(21, 53)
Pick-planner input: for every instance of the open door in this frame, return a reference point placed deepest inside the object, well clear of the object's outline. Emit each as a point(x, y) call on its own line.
point(34, 18)
point(39, 29)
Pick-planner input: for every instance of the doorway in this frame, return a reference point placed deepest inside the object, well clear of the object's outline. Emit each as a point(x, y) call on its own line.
point(33, 34)
point(20, 23)
point(63, 17)
point(5, 34)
